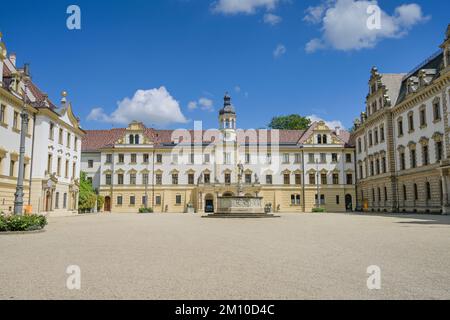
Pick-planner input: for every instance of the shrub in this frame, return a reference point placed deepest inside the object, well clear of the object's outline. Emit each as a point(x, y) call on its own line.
point(22, 223)
point(318, 210)
point(145, 210)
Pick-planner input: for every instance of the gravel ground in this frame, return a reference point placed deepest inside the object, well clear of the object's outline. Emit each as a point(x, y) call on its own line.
point(173, 256)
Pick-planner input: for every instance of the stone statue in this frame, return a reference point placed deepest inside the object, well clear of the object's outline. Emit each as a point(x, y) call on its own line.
point(256, 179)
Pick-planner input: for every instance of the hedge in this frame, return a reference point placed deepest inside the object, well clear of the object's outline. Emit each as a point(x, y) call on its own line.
point(22, 223)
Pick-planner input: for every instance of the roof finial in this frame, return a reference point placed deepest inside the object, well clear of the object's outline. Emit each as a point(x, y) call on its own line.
point(63, 97)
point(227, 100)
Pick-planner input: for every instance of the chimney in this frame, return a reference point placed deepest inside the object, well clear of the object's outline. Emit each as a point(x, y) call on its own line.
point(338, 131)
point(13, 58)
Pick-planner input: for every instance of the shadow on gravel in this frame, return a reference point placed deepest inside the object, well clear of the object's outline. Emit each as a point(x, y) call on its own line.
point(413, 218)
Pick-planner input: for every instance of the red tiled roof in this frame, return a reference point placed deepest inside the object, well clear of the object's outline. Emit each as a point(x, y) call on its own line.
point(97, 139)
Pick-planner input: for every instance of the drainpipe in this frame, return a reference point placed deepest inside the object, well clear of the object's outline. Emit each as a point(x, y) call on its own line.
point(303, 180)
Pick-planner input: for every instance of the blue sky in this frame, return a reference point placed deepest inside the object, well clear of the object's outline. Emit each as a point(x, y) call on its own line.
point(168, 63)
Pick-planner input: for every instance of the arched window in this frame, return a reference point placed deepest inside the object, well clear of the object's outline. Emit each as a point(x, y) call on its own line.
point(324, 139)
point(319, 139)
point(131, 139)
point(136, 139)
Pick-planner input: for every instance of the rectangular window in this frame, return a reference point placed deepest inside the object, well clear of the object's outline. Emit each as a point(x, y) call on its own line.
point(133, 158)
point(383, 165)
point(158, 179)
point(312, 178)
point(335, 178)
point(60, 137)
point(311, 158)
point(439, 150)
point(49, 164)
point(11, 168)
point(382, 134)
point(121, 158)
point(423, 118)
point(207, 178)
point(178, 199)
point(295, 199)
point(159, 158)
point(132, 178)
point(400, 127)
point(425, 155)
point(58, 168)
point(298, 158)
point(68, 140)
point(248, 178)
point(413, 158)
point(337, 199)
point(146, 158)
point(191, 178)
point(298, 179)
point(119, 200)
point(402, 161)
point(75, 144)
point(145, 178)
point(370, 139)
point(90, 163)
point(16, 120)
point(191, 158)
point(66, 171)
point(323, 158)
point(334, 157)
point(349, 178)
point(132, 200)
point(323, 178)
point(348, 158)
point(227, 178)
point(269, 179)
point(2, 113)
point(108, 158)
point(64, 200)
point(144, 201)
point(174, 159)
point(375, 134)
point(437, 111)
point(175, 178)
point(108, 179)
point(247, 158)
point(158, 200)
point(285, 158)
point(359, 146)
point(287, 178)
point(411, 122)
point(120, 178)
point(51, 131)
point(206, 158)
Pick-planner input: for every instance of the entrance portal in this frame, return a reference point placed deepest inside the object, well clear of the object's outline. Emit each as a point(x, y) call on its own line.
point(107, 204)
point(209, 203)
point(348, 202)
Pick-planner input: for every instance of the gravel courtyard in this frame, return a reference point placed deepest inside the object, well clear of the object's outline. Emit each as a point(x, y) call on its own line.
point(173, 256)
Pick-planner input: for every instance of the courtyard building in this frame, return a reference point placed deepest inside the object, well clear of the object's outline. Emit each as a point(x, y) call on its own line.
point(402, 139)
point(183, 170)
point(52, 145)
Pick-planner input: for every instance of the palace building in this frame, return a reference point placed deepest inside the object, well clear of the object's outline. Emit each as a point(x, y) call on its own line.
point(52, 143)
point(402, 139)
point(187, 170)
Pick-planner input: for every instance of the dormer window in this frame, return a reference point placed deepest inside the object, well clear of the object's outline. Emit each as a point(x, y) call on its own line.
point(319, 139)
point(136, 139)
point(324, 139)
point(131, 139)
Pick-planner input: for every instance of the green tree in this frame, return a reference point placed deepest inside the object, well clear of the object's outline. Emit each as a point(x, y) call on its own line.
point(290, 122)
point(87, 196)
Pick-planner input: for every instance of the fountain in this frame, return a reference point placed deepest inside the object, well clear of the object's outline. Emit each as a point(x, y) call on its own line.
point(240, 206)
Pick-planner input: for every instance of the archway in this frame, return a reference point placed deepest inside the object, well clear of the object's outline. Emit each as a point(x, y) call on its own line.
point(209, 203)
point(107, 204)
point(348, 202)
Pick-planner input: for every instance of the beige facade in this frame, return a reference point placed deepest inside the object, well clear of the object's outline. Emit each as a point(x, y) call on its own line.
point(402, 139)
point(187, 170)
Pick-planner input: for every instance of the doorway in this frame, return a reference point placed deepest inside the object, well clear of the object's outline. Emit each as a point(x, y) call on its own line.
point(209, 203)
point(108, 204)
point(348, 202)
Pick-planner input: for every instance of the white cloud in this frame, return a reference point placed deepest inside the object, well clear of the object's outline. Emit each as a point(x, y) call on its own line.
point(243, 6)
point(332, 124)
point(272, 19)
point(344, 24)
point(279, 51)
point(205, 104)
point(153, 107)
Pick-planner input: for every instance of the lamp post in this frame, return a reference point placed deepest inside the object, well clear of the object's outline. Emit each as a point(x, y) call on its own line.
point(18, 196)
